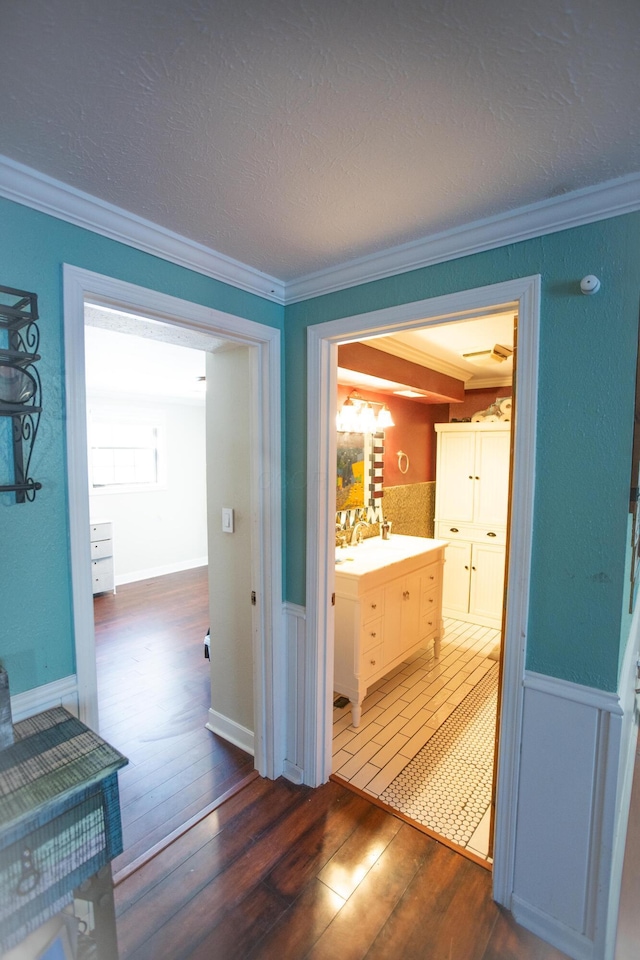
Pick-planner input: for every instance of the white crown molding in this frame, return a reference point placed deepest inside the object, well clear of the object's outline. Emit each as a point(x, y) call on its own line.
point(604, 200)
point(33, 189)
point(42, 193)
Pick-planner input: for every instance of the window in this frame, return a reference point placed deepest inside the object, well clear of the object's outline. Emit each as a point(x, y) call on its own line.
point(126, 453)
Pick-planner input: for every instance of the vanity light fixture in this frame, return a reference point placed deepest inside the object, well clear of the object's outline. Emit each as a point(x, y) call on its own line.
point(358, 415)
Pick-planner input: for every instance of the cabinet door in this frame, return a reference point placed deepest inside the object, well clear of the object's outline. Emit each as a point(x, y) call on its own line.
point(410, 611)
point(457, 567)
point(492, 478)
point(393, 603)
point(455, 478)
point(487, 580)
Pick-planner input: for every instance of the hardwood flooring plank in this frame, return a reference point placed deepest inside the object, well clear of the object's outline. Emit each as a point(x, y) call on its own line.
point(177, 889)
point(348, 866)
point(142, 882)
point(422, 921)
point(358, 923)
point(509, 941)
point(316, 847)
point(184, 929)
point(296, 931)
point(241, 927)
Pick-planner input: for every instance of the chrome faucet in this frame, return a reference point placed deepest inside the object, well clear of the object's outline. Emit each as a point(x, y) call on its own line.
point(356, 536)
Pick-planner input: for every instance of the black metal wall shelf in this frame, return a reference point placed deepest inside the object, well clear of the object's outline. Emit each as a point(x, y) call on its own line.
point(20, 384)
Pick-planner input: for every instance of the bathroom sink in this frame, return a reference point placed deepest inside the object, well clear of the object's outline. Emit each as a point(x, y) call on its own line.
point(376, 553)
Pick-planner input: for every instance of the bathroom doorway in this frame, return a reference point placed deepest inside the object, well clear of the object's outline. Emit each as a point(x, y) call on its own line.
point(522, 296)
point(425, 744)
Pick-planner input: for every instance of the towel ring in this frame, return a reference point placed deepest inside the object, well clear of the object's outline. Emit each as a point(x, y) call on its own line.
point(403, 456)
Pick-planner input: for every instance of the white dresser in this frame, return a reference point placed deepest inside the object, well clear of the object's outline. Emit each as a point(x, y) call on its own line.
point(472, 496)
point(102, 574)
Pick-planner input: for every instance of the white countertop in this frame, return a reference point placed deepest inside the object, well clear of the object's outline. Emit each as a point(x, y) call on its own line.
point(378, 554)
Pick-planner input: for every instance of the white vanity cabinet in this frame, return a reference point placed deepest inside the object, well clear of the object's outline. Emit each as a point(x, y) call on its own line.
point(472, 495)
point(102, 572)
point(385, 612)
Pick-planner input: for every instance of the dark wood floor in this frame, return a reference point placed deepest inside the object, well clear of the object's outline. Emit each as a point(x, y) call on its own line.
point(287, 872)
point(277, 871)
point(154, 696)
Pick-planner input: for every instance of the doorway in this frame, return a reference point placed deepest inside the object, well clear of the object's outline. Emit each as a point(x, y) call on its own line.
point(425, 743)
point(523, 297)
point(81, 286)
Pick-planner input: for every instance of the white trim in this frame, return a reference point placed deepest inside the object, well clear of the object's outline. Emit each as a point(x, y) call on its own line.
point(588, 205)
point(231, 731)
point(295, 628)
point(292, 772)
point(269, 657)
point(610, 199)
point(136, 575)
point(590, 696)
point(322, 341)
point(58, 693)
point(552, 931)
point(40, 192)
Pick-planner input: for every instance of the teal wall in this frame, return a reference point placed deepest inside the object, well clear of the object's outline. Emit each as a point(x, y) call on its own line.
point(585, 415)
point(578, 625)
point(36, 626)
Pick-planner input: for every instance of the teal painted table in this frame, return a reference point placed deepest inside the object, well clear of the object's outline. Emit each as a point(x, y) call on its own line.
point(59, 825)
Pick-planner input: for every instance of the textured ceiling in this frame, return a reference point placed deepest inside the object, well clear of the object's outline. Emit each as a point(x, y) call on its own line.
point(295, 135)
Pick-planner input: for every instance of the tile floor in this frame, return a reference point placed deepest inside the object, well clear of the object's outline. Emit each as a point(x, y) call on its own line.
point(403, 710)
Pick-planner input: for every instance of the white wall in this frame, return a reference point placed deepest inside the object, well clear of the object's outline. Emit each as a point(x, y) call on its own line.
point(230, 572)
point(161, 531)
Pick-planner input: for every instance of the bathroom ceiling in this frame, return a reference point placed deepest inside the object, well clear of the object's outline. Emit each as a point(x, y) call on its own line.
point(444, 348)
point(296, 136)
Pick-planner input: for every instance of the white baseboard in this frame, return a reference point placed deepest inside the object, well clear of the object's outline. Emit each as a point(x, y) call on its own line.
point(293, 773)
point(58, 693)
point(549, 929)
point(230, 730)
point(147, 574)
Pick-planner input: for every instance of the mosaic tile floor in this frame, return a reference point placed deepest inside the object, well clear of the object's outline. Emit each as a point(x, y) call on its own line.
point(447, 785)
point(406, 708)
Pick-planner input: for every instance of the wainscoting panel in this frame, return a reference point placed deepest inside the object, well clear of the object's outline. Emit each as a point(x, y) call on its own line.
point(572, 806)
point(295, 635)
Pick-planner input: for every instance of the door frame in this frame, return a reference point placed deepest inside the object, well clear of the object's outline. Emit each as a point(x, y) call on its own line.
point(522, 295)
point(81, 285)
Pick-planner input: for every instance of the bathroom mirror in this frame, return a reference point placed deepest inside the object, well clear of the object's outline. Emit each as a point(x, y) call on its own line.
point(359, 477)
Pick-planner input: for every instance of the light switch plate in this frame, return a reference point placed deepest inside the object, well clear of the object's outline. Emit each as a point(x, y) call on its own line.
point(227, 519)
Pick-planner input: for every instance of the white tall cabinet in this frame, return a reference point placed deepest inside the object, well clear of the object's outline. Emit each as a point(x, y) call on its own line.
point(472, 495)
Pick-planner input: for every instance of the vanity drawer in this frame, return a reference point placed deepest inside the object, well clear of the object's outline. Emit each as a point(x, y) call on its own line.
point(371, 634)
point(372, 605)
point(371, 661)
point(428, 625)
point(430, 600)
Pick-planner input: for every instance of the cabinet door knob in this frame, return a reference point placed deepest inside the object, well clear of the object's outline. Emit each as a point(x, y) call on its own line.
point(491, 534)
point(372, 662)
point(373, 606)
point(470, 477)
point(473, 568)
point(466, 567)
point(373, 633)
point(431, 576)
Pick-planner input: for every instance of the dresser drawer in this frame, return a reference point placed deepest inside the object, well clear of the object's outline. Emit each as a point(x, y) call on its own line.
point(102, 574)
point(430, 601)
point(101, 548)
point(100, 531)
point(428, 625)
